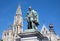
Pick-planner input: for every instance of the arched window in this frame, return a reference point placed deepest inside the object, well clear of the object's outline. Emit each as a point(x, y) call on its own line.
point(42, 32)
point(44, 28)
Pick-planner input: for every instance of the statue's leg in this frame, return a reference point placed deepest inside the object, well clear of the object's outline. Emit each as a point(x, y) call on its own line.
point(30, 25)
point(33, 25)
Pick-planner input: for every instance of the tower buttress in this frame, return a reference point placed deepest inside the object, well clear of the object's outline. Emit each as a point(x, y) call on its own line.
point(18, 22)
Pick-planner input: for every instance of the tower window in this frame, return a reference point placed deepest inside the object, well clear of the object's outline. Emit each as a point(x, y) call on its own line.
point(7, 33)
point(46, 32)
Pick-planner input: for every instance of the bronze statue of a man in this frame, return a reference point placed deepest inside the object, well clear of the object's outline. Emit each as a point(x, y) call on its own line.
point(32, 19)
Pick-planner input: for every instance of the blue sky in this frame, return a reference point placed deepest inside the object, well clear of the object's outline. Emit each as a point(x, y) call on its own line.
point(48, 12)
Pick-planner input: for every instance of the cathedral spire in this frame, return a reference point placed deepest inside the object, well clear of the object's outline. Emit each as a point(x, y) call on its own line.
point(18, 21)
point(18, 12)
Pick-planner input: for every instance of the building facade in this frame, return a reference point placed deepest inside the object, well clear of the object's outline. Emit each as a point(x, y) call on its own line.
point(52, 36)
point(8, 35)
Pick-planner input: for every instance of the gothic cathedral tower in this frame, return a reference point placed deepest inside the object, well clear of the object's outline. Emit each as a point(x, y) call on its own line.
point(18, 22)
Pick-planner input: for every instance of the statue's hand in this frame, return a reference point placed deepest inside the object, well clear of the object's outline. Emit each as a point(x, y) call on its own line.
point(36, 23)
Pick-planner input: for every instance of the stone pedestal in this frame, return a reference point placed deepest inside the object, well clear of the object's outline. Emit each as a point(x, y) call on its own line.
point(31, 36)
